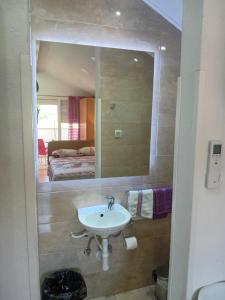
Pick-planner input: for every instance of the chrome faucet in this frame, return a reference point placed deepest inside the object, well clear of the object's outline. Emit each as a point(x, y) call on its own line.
point(111, 201)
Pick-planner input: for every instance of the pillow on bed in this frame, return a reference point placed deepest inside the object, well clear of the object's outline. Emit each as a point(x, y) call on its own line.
point(65, 153)
point(55, 153)
point(87, 151)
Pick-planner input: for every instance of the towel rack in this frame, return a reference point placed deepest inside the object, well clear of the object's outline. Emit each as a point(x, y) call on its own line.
point(146, 188)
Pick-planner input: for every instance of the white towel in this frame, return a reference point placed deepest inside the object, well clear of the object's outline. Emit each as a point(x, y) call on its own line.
point(140, 203)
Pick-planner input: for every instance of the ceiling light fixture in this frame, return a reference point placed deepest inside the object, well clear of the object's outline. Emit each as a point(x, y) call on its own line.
point(136, 59)
point(118, 13)
point(163, 48)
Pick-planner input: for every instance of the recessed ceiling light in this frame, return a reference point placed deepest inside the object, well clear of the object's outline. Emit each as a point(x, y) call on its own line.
point(118, 13)
point(84, 70)
point(93, 58)
point(163, 48)
point(136, 59)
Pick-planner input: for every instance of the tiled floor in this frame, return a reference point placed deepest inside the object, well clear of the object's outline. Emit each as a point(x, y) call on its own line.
point(42, 173)
point(143, 294)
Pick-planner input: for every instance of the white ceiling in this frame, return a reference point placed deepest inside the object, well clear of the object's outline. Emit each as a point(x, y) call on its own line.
point(68, 63)
point(169, 9)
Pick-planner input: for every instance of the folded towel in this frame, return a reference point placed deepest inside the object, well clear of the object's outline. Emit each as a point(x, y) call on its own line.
point(162, 202)
point(140, 203)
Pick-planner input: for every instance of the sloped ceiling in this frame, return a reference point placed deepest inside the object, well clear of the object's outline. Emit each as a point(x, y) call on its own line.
point(68, 63)
point(169, 9)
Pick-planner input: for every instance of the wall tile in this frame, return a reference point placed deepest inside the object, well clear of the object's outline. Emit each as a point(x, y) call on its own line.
point(166, 142)
point(120, 73)
point(84, 185)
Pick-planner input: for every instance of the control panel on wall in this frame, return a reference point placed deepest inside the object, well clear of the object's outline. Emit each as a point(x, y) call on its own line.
point(213, 173)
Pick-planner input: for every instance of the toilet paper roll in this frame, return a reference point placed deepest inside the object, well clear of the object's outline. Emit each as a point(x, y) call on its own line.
point(130, 243)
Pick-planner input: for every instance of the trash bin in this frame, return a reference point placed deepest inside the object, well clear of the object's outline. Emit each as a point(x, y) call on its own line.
point(64, 285)
point(160, 276)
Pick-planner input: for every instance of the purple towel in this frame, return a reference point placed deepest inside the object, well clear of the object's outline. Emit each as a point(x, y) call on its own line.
point(162, 202)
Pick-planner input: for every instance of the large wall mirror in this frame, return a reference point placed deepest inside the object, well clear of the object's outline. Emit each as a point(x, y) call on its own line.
point(94, 108)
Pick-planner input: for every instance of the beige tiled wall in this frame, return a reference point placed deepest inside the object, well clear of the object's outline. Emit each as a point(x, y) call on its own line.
point(57, 204)
point(128, 85)
point(93, 22)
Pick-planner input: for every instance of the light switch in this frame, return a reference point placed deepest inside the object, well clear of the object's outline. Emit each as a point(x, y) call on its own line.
point(118, 133)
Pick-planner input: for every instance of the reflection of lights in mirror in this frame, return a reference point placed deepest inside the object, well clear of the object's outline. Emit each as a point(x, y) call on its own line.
point(163, 48)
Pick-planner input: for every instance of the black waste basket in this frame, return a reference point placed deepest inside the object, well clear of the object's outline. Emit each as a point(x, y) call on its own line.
point(64, 285)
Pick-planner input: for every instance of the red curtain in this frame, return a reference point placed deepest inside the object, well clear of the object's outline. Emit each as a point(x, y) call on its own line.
point(74, 118)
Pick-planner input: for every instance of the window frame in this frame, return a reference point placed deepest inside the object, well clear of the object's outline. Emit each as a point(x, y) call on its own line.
point(53, 100)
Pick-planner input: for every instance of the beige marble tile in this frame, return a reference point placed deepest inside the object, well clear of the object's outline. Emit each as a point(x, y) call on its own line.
point(121, 74)
point(168, 81)
point(89, 34)
point(130, 130)
point(55, 237)
point(165, 144)
point(89, 184)
point(50, 262)
point(139, 113)
point(125, 93)
point(142, 293)
point(168, 104)
point(133, 13)
point(134, 159)
point(167, 117)
point(133, 17)
point(163, 167)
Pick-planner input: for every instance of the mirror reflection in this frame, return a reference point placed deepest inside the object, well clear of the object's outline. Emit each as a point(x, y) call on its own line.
point(93, 111)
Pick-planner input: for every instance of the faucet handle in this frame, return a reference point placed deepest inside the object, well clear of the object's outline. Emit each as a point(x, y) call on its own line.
point(110, 198)
point(111, 201)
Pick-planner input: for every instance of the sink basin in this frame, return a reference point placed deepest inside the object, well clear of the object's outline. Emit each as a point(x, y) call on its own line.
point(102, 221)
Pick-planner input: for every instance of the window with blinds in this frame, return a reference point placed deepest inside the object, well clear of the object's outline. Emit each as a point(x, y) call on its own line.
point(60, 130)
point(64, 119)
point(61, 126)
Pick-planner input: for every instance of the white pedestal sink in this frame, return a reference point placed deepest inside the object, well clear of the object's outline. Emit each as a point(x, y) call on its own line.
point(102, 221)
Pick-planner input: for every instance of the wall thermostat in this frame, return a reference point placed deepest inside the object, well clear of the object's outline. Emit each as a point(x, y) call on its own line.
point(213, 173)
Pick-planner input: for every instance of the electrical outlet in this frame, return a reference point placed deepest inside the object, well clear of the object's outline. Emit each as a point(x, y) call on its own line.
point(118, 133)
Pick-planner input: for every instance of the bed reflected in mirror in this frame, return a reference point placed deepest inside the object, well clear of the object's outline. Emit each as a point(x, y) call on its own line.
point(94, 109)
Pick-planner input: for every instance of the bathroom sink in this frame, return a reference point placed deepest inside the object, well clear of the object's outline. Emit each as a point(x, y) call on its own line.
point(103, 221)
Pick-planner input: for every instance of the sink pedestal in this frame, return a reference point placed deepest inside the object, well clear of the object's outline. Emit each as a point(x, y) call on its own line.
point(105, 254)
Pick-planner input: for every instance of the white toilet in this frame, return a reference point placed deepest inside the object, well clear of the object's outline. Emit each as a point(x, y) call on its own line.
point(214, 291)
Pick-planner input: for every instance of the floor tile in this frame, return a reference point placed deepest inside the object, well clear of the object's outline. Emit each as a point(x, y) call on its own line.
point(145, 293)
